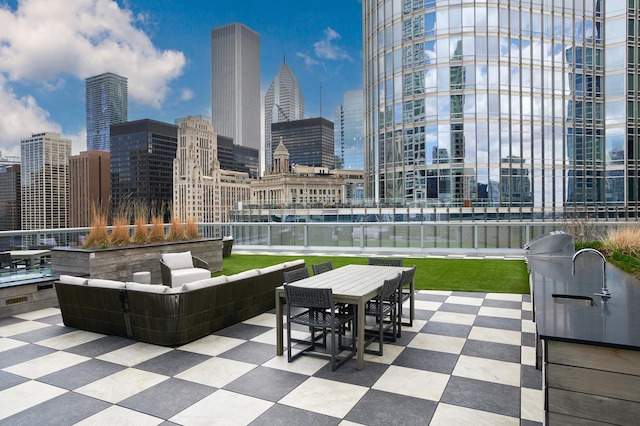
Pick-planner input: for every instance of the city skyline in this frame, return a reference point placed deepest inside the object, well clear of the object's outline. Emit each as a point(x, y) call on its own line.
point(165, 55)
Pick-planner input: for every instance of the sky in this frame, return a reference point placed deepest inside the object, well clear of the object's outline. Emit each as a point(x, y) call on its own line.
point(49, 47)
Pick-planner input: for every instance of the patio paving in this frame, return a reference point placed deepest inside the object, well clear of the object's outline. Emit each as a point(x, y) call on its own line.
point(468, 359)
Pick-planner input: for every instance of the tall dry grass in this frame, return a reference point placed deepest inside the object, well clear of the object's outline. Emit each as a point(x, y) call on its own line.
point(98, 236)
point(176, 230)
point(156, 232)
point(191, 229)
point(625, 240)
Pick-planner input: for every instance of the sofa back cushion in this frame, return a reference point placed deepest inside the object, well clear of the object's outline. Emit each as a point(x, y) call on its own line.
point(98, 282)
point(148, 288)
point(70, 279)
point(178, 260)
point(209, 282)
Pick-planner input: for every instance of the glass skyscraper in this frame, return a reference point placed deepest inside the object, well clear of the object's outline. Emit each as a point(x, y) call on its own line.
point(348, 139)
point(235, 84)
point(106, 103)
point(512, 109)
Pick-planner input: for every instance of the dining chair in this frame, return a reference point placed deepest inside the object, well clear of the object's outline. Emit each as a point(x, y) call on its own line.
point(384, 261)
point(406, 292)
point(384, 309)
point(295, 275)
point(320, 268)
point(320, 312)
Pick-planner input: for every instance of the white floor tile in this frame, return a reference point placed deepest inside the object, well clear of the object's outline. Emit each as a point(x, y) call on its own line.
point(134, 354)
point(506, 373)
point(116, 415)
point(212, 345)
point(426, 305)
point(461, 300)
point(447, 415)
point(42, 313)
point(531, 403)
point(495, 335)
point(411, 382)
point(26, 395)
point(453, 318)
point(68, 340)
point(222, 408)
point(216, 372)
point(7, 343)
point(509, 297)
point(304, 365)
point(21, 327)
point(528, 355)
point(121, 385)
point(528, 326)
point(325, 396)
point(46, 364)
point(264, 320)
point(435, 342)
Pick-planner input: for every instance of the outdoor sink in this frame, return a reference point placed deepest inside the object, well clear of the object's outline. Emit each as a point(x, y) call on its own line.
point(573, 299)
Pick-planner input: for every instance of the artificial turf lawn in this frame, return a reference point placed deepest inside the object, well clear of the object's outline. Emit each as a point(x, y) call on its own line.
point(482, 275)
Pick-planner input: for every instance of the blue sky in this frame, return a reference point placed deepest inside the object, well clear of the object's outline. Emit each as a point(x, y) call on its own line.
point(48, 48)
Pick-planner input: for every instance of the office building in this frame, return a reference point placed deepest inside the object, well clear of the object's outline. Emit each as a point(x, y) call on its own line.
point(349, 131)
point(309, 141)
point(282, 102)
point(44, 181)
point(106, 103)
point(9, 197)
point(233, 157)
point(89, 187)
point(142, 154)
point(196, 172)
point(235, 83)
point(235, 190)
point(450, 92)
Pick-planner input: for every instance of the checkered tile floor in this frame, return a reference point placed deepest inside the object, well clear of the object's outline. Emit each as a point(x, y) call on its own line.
point(468, 359)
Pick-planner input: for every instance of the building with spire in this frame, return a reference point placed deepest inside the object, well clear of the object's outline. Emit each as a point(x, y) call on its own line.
point(282, 102)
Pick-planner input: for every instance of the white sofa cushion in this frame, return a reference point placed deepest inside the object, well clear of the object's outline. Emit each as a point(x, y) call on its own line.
point(148, 288)
point(98, 282)
point(298, 262)
point(70, 279)
point(178, 260)
point(183, 276)
point(242, 275)
point(209, 282)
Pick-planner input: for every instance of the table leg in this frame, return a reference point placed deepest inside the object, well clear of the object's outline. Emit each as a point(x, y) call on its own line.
point(360, 335)
point(279, 325)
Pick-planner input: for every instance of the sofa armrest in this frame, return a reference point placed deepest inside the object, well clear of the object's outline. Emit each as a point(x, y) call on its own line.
point(165, 272)
point(199, 263)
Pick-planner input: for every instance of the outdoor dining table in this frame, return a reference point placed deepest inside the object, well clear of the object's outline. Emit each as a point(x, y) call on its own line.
point(351, 284)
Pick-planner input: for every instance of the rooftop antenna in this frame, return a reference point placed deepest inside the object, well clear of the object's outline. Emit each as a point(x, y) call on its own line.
point(320, 100)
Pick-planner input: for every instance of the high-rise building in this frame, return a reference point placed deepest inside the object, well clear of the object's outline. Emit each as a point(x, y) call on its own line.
point(238, 158)
point(106, 103)
point(349, 131)
point(44, 181)
point(142, 154)
point(196, 172)
point(282, 102)
point(235, 83)
point(9, 198)
point(309, 141)
point(89, 187)
point(451, 92)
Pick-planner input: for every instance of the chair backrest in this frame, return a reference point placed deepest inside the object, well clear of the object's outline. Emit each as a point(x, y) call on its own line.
point(295, 275)
point(408, 276)
point(305, 297)
point(319, 268)
point(389, 290)
point(5, 259)
point(381, 261)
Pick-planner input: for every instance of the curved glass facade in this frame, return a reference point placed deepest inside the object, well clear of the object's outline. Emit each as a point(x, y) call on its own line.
point(515, 109)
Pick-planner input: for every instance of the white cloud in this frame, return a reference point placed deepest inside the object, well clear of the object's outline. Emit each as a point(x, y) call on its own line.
point(326, 49)
point(18, 117)
point(308, 60)
point(186, 94)
point(43, 40)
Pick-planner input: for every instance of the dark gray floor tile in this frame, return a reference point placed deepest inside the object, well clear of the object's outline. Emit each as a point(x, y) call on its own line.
point(81, 374)
point(527, 315)
point(528, 339)
point(348, 373)
point(167, 398)
point(22, 354)
point(496, 322)
point(460, 309)
point(530, 377)
point(481, 395)
point(172, 363)
point(66, 409)
point(439, 362)
point(423, 315)
point(405, 338)
point(101, 346)
point(266, 383)
point(431, 297)
point(283, 415)
point(469, 294)
point(9, 321)
point(384, 408)
point(529, 423)
point(508, 304)
point(35, 336)
point(446, 329)
point(8, 380)
point(526, 298)
point(251, 352)
point(53, 319)
point(243, 331)
point(490, 350)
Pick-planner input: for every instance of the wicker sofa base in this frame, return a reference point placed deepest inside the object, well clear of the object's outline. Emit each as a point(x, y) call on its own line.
point(175, 317)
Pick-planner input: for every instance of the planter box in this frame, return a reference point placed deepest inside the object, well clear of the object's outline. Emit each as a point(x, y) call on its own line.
point(120, 263)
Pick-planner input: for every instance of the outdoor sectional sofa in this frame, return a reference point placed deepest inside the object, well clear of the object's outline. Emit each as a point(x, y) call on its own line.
point(168, 316)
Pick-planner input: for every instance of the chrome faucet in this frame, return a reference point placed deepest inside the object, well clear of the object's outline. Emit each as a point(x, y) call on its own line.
point(604, 293)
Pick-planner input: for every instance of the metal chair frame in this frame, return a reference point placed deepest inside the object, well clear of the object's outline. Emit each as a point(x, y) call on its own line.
point(384, 308)
point(320, 268)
